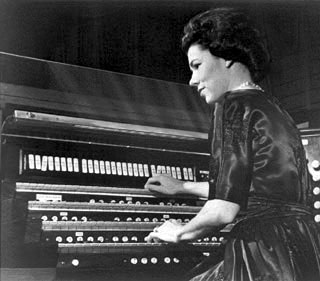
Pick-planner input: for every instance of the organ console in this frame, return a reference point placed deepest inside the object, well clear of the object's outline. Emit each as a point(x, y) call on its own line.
point(81, 204)
point(73, 168)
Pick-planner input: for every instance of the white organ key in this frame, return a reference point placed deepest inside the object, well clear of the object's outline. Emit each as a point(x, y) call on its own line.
point(63, 164)
point(159, 169)
point(124, 168)
point(96, 166)
point(190, 173)
point(163, 170)
point(113, 168)
point(146, 170)
point(135, 170)
point(24, 162)
point(50, 163)
point(69, 164)
point(90, 166)
point(168, 170)
point(153, 170)
point(102, 168)
point(76, 165)
point(140, 170)
point(84, 166)
point(31, 161)
point(57, 164)
point(130, 169)
point(108, 167)
point(179, 176)
point(185, 173)
point(38, 162)
point(44, 163)
point(119, 169)
point(173, 172)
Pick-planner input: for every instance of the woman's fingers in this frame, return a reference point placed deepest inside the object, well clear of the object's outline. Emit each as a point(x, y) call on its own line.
point(164, 184)
point(152, 238)
point(152, 183)
point(167, 232)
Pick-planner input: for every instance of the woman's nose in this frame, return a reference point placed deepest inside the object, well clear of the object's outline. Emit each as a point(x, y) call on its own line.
point(193, 81)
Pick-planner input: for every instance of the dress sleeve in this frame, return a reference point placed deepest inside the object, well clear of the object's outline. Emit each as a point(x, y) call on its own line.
point(233, 176)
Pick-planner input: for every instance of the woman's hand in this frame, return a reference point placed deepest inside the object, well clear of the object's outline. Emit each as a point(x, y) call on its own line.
point(164, 184)
point(169, 232)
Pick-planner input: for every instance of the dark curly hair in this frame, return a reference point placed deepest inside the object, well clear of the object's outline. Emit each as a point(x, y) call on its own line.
point(229, 34)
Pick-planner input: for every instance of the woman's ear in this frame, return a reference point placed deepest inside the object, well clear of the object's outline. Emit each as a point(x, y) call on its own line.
point(229, 63)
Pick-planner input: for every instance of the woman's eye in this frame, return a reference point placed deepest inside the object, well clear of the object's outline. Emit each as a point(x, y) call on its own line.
point(196, 66)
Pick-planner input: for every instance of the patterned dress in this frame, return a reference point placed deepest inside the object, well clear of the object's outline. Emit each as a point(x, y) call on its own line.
point(258, 161)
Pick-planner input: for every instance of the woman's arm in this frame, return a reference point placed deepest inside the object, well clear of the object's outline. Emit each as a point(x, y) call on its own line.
point(165, 184)
point(214, 213)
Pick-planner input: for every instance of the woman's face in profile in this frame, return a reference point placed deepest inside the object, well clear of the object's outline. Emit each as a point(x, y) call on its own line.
point(209, 73)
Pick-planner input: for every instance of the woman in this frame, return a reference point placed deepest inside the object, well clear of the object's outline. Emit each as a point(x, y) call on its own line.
point(257, 164)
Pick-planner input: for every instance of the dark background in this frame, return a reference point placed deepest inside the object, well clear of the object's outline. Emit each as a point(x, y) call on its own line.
point(143, 38)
